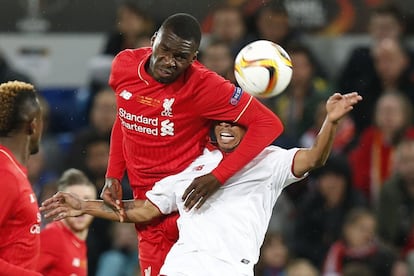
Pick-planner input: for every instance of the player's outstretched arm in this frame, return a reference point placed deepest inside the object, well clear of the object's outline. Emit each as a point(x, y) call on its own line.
point(337, 106)
point(63, 205)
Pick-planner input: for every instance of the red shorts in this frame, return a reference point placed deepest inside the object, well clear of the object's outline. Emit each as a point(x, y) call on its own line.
point(155, 241)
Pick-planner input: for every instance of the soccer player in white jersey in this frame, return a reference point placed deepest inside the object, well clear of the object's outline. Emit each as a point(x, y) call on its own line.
point(224, 236)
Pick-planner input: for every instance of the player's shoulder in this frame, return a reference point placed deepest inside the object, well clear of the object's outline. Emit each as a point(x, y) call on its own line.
point(276, 152)
point(273, 148)
point(132, 55)
point(8, 171)
point(198, 72)
point(11, 181)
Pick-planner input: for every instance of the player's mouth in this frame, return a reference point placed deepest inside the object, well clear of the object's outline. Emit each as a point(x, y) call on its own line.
point(225, 136)
point(165, 73)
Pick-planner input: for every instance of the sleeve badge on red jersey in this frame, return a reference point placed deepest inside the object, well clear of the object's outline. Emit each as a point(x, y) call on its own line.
point(235, 98)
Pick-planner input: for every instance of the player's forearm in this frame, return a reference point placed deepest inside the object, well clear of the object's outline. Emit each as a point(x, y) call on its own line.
point(137, 211)
point(140, 211)
point(319, 152)
point(307, 159)
point(99, 209)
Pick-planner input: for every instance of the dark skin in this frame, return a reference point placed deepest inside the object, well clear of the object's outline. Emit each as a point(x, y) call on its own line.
point(25, 140)
point(171, 57)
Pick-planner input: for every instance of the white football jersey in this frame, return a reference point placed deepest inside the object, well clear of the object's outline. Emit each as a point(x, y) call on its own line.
point(231, 225)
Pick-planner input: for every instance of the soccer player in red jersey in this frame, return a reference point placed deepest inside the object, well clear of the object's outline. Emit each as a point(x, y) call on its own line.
point(166, 101)
point(63, 243)
point(20, 132)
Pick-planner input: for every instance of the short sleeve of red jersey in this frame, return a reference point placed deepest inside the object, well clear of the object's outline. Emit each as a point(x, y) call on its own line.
point(219, 99)
point(119, 69)
point(9, 192)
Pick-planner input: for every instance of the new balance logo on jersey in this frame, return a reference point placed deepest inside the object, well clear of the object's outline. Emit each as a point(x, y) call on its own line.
point(244, 261)
point(167, 128)
point(167, 105)
point(125, 94)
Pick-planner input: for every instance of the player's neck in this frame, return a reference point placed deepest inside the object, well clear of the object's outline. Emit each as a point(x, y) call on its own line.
point(19, 146)
point(80, 234)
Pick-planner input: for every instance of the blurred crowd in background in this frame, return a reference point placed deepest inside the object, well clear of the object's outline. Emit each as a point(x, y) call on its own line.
point(354, 216)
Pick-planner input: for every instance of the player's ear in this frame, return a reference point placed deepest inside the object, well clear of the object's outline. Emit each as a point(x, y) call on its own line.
point(195, 56)
point(31, 127)
point(154, 36)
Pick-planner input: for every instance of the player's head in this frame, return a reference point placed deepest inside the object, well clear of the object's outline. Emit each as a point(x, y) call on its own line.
point(386, 21)
point(76, 182)
point(20, 113)
point(174, 47)
point(228, 135)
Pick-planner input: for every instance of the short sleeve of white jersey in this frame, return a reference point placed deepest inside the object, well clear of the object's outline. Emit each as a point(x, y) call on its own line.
point(282, 166)
point(162, 195)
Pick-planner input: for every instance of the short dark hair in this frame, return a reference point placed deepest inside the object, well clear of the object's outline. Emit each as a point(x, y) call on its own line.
point(73, 177)
point(185, 26)
point(14, 97)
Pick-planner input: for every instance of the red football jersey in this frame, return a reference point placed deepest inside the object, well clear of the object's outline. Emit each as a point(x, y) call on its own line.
point(161, 128)
point(61, 252)
point(19, 219)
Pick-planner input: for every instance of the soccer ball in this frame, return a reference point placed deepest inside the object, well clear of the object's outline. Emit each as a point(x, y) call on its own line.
point(263, 69)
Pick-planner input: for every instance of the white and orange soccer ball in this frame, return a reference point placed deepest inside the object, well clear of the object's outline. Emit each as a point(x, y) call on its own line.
point(263, 69)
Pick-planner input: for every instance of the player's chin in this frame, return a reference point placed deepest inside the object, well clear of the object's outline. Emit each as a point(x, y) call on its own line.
point(163, 76)
point(228, 147)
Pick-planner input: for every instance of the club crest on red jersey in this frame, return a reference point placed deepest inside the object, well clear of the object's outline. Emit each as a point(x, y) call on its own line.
point(167, 105)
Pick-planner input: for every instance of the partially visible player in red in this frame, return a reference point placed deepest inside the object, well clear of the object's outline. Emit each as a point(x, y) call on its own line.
point(166, 101)
point(20, 132)
point(63, 248)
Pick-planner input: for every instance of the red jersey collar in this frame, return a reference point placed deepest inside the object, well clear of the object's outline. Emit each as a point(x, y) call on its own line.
point(65, 228)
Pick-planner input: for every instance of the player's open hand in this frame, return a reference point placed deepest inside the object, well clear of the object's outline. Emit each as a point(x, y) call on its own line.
point(112, 196)
point(200, 190)
point(62, 205)
point(338, 105)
